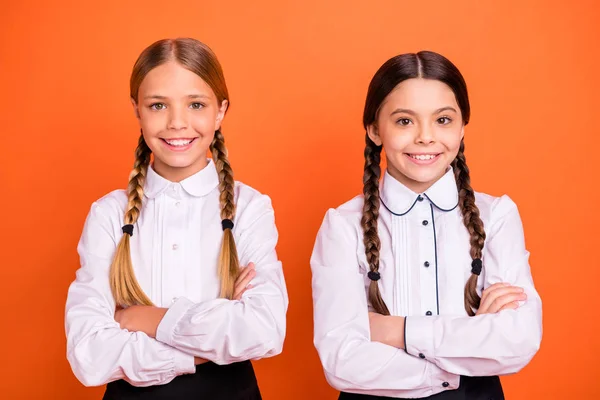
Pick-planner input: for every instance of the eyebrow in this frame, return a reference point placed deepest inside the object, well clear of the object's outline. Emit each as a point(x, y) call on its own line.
point(189, 96)
point(411, 112)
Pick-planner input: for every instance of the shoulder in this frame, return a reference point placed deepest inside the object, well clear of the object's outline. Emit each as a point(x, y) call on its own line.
point(107, 212)
point(103, 224)
point(111, 205)
point(346, 217)
point(251, 204)
point(493, 209)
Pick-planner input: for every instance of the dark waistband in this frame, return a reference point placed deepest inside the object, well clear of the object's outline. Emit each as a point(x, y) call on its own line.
point(470, 388)
point(210, 381)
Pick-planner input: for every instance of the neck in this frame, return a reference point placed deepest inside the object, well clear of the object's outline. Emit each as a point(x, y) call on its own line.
point(177, 174)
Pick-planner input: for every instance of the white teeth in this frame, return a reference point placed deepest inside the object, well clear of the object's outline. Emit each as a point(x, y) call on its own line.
point(179, 142)
point(423, 157)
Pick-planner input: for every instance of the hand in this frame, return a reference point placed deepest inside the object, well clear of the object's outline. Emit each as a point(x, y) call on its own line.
point(242, 283)
point(500, 296)
point(198, 360)
point(387, 329)
point(140, 318)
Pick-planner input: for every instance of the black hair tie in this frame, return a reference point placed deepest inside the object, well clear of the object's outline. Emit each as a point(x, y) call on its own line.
point(227, 224)
point(128, 229)
point(374, 276)
point(476, 266)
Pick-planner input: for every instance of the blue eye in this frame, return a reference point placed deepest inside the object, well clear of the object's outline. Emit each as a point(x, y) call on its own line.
point(196, 106)
point(444, 120)
point(404, 121)
point(157, 106)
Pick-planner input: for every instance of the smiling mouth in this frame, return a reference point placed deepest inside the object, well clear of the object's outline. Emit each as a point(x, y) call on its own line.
point(178, 142)
point(423, 157)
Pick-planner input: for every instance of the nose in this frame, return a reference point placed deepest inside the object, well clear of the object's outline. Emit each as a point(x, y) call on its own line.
point(425, 134)
point(177, 119)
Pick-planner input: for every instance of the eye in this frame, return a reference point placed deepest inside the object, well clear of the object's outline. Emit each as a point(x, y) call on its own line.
point(196, 106)
point(157, 106)
point(404, 122)
point(444, 120)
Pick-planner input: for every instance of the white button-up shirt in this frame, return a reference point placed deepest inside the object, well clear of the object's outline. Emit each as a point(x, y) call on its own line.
point(424, 265)
point(174, 250)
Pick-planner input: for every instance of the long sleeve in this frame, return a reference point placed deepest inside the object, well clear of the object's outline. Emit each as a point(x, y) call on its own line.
point(490, 344)
point(228, 331)
point(98, 350)
point(342, 334)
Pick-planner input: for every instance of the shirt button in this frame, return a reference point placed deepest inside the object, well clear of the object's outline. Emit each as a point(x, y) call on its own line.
point(420, 198)
point(426, 264)
point(421, 355)
point(177, 204)
point(174, 299)
point(445, 384)
point(425, 223)
point(175, 247)
point(428, 313)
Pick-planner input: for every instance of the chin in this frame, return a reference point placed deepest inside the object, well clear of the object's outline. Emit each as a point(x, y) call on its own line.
point(429, 176)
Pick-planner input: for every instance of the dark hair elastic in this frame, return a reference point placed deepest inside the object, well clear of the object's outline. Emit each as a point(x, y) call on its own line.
point(128, 229)
point(476, 266)
point(227, 224)
point(374, 276)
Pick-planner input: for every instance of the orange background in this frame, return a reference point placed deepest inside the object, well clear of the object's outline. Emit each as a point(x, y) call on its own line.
point(297, 74)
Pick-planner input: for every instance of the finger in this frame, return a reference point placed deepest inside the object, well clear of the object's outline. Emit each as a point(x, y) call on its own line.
point(487, 291)
point(494, 287)
point(498, 292)
point(501, 301)
point(239, 295)
point(244, 271)
point(242, 285)
point(510, 306)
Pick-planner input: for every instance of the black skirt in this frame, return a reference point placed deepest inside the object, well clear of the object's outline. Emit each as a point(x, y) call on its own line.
point(470, 388)
point(209, 382)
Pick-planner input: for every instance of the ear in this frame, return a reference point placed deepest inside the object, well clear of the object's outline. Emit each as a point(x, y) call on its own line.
point(135, 108)
point(373, 133)
point(221, 114)
point(462, 133)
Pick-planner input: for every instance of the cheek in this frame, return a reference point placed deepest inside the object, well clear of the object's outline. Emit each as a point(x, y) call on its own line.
point(152, 122)
point(452, 142)
point(204, 122)
point(395, 142)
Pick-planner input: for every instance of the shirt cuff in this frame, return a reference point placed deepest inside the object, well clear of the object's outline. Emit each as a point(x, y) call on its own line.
point(166, 327)
point(418, 336)
point(184, 363)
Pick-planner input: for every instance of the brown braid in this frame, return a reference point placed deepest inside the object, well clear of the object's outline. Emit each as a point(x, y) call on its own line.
point(369, 219)
point(125, 287)
point(474, 224)
point(229, 266)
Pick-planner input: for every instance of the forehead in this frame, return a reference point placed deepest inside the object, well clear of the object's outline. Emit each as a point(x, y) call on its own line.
point(172, 79)
point(420, 95)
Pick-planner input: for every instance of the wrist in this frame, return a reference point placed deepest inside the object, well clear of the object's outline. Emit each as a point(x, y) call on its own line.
point(397, 332)
point(157, 315)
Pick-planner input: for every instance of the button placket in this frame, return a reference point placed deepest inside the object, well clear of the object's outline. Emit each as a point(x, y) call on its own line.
point(427, 260)
point(175, 225)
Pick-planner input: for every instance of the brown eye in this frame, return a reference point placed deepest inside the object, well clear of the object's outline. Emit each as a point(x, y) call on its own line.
point(444, 120)
point(404, 121)
point(196, 106)
point(157, 106)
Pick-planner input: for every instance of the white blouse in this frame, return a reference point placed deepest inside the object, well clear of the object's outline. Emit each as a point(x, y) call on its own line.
point(174, 250)
point(424, 265)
